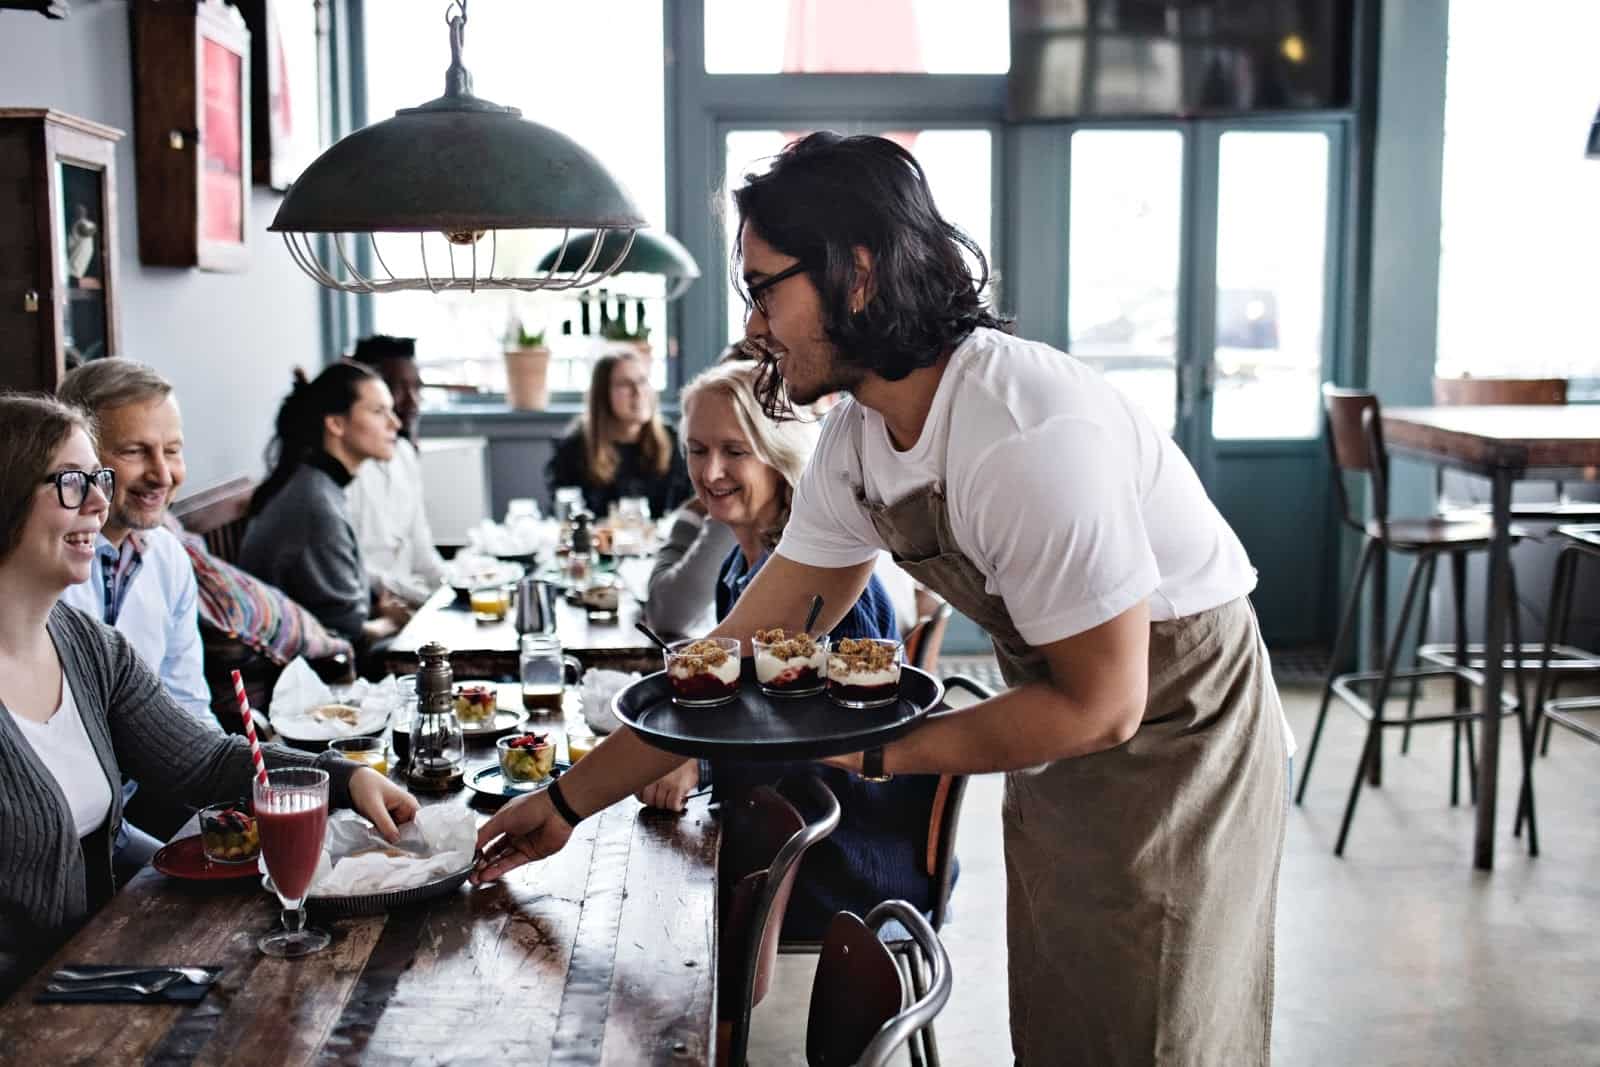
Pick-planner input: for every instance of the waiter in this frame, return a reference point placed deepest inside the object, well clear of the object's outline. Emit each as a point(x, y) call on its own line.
point(1142, 738)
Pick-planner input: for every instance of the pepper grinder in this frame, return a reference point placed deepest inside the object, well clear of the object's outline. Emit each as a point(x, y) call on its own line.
point(437, 750)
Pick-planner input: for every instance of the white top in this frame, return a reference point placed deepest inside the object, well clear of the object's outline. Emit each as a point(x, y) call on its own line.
point(1072, 503)
point(62, 745)
point(385, 499)
point(160, 615)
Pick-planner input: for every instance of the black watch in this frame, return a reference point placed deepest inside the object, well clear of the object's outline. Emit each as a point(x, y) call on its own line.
point(872, 766)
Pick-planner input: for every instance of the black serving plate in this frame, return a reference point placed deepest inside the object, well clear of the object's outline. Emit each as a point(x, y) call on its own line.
point(755, 726)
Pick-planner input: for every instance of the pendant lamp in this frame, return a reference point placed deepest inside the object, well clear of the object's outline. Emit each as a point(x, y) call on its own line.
point(654, 252)
point(460, 168)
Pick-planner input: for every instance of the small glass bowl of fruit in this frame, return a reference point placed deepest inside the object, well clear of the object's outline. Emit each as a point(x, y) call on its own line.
point(475, 704)
point(526, 759)
point(228, 834)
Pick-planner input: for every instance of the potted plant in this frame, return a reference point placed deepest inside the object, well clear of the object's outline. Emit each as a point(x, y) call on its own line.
point(527, 370)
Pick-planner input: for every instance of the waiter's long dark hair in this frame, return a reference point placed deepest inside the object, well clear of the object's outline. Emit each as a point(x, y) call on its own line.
point(300, 427)
point(827, 194)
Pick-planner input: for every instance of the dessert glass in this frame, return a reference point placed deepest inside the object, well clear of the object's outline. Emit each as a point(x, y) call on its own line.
point(703, 672)
point(865, 672)
point(526, 758)
point(228, 833)
point(790, 666)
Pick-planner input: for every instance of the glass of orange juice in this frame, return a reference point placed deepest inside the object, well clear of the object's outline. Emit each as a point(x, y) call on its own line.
point(368, 750)
point(489, 604)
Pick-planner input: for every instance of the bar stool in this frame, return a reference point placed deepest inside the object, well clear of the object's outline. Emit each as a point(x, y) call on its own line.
point(1582, 542)
point(1355, 444)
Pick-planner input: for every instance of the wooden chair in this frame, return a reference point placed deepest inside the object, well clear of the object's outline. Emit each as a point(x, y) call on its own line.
point(764, 838)
point(219, 515)
point(926, 638)
point(1582, 543)
point(861, 1013)
point(1355, 445)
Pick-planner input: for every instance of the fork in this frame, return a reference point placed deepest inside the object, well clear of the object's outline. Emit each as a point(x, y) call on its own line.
point(144, 989)
point(197, 975)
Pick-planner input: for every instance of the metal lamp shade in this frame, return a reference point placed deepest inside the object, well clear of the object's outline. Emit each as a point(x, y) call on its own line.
point(653, 252)
point(455, 169)
point(459, 167)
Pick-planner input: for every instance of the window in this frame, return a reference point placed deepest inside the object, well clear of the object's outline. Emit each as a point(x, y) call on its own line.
point(957, 163)
point(606, 95)
point(1520, 241)
point(856, 37)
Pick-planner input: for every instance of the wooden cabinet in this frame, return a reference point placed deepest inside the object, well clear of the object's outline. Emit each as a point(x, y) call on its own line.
point(191, 87)
point(58, 245)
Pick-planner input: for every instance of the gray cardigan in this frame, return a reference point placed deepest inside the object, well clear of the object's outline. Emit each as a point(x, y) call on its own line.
point(135, 727)
point(303, 543)
point(683, 581)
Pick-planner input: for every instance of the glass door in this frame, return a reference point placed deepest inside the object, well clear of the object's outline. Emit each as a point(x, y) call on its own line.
point(1201, 279)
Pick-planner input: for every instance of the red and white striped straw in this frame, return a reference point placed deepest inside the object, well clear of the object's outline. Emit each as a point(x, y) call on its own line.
point(249, 728)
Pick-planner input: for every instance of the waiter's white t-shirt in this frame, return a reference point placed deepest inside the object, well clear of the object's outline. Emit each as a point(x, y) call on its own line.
point(1069, 500)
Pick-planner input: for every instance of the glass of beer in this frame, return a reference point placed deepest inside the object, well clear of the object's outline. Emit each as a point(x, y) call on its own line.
point(545, 672)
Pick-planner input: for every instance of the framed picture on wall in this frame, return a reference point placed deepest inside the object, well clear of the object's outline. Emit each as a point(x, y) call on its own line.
point(287, 40)
point(192, 134)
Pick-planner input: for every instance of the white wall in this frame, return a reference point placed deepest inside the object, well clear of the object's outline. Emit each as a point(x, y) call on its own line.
point(227, 341)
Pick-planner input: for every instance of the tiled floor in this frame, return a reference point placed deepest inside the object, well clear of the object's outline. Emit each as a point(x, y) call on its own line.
point(1400, 953)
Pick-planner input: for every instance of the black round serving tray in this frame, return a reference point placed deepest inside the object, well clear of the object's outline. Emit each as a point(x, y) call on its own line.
point(755, 726)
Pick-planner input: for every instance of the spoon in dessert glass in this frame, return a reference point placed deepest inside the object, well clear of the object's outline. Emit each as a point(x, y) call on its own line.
point(653, 636)
point(811, 616)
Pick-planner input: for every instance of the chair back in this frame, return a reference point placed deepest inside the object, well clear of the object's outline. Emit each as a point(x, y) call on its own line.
point(1355, 445)
point(946, 817)
point(218, 514)
point(923, 642)
point(856, 1015)
point(764, 838)
point(1463, 391)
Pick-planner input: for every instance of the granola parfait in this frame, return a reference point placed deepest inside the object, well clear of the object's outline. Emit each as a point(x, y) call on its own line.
point(864, 672)
point(790, 666)
point(704, 672)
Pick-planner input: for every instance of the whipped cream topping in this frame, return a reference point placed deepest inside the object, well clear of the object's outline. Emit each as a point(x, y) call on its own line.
point(726, 671)
point(769, 666)
point(839, 673)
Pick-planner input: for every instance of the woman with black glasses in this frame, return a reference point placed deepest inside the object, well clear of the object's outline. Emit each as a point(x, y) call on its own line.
point(78, 706)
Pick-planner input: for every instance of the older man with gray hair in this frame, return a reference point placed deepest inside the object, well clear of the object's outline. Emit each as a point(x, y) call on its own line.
point(142, 583)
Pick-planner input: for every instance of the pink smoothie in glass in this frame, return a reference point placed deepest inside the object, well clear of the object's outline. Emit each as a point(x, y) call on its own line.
point(292, 828)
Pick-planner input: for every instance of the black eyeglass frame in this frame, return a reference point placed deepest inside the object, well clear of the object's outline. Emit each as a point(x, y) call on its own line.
point(752, 293)
point(104, 477)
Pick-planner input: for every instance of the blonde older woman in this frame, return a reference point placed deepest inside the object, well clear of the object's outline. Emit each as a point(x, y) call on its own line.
point(744, 467)
point(78, 707)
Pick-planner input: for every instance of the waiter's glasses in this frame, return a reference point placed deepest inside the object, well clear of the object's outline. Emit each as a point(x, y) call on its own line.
point(755, 294)
point(72, 486)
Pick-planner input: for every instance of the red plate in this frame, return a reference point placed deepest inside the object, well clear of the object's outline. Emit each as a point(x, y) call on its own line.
point(185, 858)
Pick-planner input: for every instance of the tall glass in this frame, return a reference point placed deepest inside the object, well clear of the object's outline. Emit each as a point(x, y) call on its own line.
point(292, 816)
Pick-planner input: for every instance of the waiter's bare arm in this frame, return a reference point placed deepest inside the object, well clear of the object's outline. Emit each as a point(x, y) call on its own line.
point(1093, 701)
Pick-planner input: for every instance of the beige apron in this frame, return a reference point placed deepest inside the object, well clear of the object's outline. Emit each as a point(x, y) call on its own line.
point(1141, 882)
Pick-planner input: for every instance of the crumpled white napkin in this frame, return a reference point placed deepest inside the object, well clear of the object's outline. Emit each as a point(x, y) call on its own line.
point(298, 690)
point(356, 860)
point(597, 690)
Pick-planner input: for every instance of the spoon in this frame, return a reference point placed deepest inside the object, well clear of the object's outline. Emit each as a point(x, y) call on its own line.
point(197, 975)
point(811, 616)
point(652, 635)
point(144, 989)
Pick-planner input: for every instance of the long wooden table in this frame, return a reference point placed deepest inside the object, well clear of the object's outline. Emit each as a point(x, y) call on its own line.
point(1503, 444)
point(489, 649)
point(602, 954)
